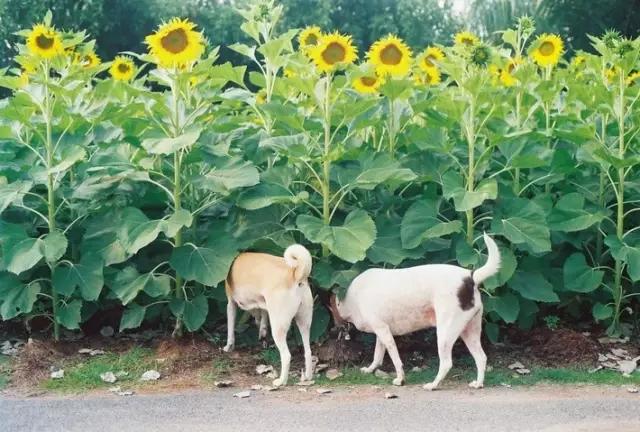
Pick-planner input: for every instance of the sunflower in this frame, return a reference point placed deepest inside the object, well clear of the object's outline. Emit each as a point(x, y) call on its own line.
point(44, 41)
point(309, 37)
point(611, 74)
point(333, 50)
point(390, 55)
point(547, 50)
point(466, 39)
point(506, 74)
point(480, 54)
point(23, 79)
point(261, 97)
point(633, 78)
point(176, 43)
point(368, 84)
point(430, 57)
point(429, 76)
point(122, 68)
point(578, 60)
point(87, 60)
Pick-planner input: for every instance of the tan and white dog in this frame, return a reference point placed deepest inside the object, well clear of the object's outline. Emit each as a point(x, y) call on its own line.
point(391, 302)
point(277, 287)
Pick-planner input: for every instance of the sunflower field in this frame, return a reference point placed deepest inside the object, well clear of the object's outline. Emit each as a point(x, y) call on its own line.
point(132, 183)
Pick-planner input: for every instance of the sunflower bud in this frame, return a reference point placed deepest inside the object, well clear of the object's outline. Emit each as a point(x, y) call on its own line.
point(480, 55)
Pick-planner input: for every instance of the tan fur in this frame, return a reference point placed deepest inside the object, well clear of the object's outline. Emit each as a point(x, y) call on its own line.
point(257, 273)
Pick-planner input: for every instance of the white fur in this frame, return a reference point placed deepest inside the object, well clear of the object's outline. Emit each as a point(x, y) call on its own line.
point(401, 301)
point(271, 294)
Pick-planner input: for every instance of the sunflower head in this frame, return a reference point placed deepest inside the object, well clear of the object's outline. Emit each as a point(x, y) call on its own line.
point(611, 39)
point(261, 97)
point(176, 43)
point(430, 57)
point(633, 78)
point(428, 77)
point(368, 84)
point(333, 50)
point(611, 74)
point(465, 39)
point(390, 56)
point(480, 54)
point(578, 60)
point(547, 50)
point(309, 38)
point(506, 79)
point(527, 25)
point(122, 68)
point(87, 60)
point(44, 41)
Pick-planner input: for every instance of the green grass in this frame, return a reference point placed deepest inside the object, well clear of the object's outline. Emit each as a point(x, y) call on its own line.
point(5, 372)
point(270, 356)
point(85, 375)
point(496, 377)
point(220, 369)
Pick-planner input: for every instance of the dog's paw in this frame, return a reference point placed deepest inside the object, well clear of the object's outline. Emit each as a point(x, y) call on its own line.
point(476, 385)
point(279, 382)
point(367, 370)
point(227, 348)
point(429, 386)
point(398, 381)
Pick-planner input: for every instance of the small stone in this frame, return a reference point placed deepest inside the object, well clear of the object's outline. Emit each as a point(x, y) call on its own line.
point(115, 389)
point(108, 377)
point(416, 369)
point(602, 358)
point(505, 385)
point(272, 375)
point(262, 369)
point(84, 350)
point(125, 393)
point(586, 333)
point(390, 396)
point(376, 387)
point(122, 374)
point(622, 353)
point(222, 384)
point(304, 390)
point(333, 374)
point(270, 388)
point(627, 367)
point(523, 371)
point(516, 365)
point(322, 391)
point(59, 374)
point(596, 369)
point(632, 389)
point(242, 394)
point(305, 383)
point(150, 375)
point(381, 374)
point(321, 367)
point(256, 387)
point(107, 331)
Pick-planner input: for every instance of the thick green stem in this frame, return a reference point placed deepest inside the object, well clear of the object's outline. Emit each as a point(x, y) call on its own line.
point(177, 199)
point(471, 141)
point(326, 161)
point(392, 127)
point(516, 177)
point(618, 293)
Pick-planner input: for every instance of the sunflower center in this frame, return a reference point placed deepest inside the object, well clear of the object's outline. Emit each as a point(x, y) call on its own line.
point(44, 42)
point(428, 61)
point(123, 68)
point(334, 53)
point(391, 55)
point(511, 67)
point(175, 41)
point(546, 48)
point(467, 41)
point(368, 81)
point(311, 40)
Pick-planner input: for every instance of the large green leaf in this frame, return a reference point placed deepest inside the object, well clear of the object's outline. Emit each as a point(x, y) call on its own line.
point(349, 241)
point(523, 222)
point(578, 276)
point(128, 284)
point(69, 314)
point(374, 170)
point(21, 254)
point(388, 246)
point(166, 146)
point(12, 193)
point(86, 275)
point(421, 222)
point(182, 218)
point(508, 264)
point(264, 195)
point(137, 230)
point(319, 323)
point(195, 312)
point(569, 214)
point(132, 317)
point(627, 253)
point(233, 175)
point(452, 188)
point(507, 306)
point(15, 297)
point(533, 286)
point(54, 245)
point(208, 265)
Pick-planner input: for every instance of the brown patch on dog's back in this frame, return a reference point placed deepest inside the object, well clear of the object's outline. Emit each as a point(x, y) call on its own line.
point(466, 293)
point(430, 315)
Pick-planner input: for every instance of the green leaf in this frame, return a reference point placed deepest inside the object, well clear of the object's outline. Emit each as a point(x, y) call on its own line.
point(16, 297)
point(602, 312)
point(533, 286)
point(53, 246)
point(207, 265)
point(128, 284)
point(137, 230)
point(235, 174)
point(375, 170)
point(195, 312)
point(349, 241)
point(569, 214)
point(625, 253)
point(264, 195)
point(578, 276)
point(421, 222)
point(508, 264)
point(507, 306)
point(319, 323)
point(21, 255)
point(227, 72)
point(388, 247)
point(178, 220)
point(70, 156)
point(132, 317)
point(166, 146)
point(12, 193)
point(69, 315)
point(523, 223)
point(452, 188)
point(86, 275)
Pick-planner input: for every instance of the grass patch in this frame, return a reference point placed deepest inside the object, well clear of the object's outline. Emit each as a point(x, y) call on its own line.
point(221, 368)
point(270, 356)
point(5, 372)
point(85, 375)
point(498, 376)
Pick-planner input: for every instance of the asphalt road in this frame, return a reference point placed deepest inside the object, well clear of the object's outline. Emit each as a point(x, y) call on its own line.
point(576, 409)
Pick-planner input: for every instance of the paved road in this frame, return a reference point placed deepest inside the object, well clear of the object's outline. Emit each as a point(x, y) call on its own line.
point(548, 409)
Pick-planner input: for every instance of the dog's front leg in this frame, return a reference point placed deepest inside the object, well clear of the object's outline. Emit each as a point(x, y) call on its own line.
point(378, 357)
point(384, 334)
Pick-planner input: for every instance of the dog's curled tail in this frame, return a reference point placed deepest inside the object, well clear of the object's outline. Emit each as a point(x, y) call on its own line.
point(299, 259)
point(492, 265)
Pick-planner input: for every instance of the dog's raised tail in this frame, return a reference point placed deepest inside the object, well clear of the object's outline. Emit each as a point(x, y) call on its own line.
point(492, 265)
point(298, 258)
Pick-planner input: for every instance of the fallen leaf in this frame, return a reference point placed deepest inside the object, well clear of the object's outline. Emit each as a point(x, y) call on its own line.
point(108, 377)
point(125, 393)
point(333, 374)
point(523, 371)
point(390, 396)
point(150, 375)
point(221, 384)
point(323, 391)
point(305, 383)
point(416, 369)
point(628, 366)
point(602, 358)
point(596, 369)
point(321, 367)
point(516, 365)
point(620, 352)
point(262, 369)
point(59, 374)
point(242, 394)
point(632, 389)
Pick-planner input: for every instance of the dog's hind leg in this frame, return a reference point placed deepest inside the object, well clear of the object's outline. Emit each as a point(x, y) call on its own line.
point(378, 357)
point(263, 325)
point(384, 334)
point(231, 322)
point(303, 321)
point(448, 330)
point(471, 336)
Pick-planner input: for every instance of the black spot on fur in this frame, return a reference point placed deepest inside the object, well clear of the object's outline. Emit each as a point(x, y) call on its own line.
point(466, 293)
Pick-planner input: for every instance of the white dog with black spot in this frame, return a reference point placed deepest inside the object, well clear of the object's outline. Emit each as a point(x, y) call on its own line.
point(391, 302)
